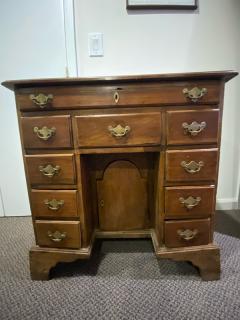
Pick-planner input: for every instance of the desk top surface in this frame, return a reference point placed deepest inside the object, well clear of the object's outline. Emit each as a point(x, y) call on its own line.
point(210, 75)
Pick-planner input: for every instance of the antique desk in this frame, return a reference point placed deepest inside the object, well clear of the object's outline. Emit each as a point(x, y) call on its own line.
point(121, 157)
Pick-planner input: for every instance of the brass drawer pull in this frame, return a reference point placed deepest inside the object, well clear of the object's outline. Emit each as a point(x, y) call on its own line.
point(119, 131)
point(195, 93)
point(57, 236)
point(187, 234)
point(116, 97)
point(190, 202)
point(54, 204)
point(194, 128)
point(44, 133)
point(49, 170)
point(192, 166)
point(41, 99)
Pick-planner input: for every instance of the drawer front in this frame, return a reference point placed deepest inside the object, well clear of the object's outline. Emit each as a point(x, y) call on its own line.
point(46, 132)
point(119, 130)
point(58, 234)
point(54, 203)
point(51, 169)
point(192, 127)
point(186, 233)
point(189, 202)
point(191, 165)
point(97, 96)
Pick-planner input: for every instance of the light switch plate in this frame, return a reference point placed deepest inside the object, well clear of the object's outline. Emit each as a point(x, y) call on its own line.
point(95, 44)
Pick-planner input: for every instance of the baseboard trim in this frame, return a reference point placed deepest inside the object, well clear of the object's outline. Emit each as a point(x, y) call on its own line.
point(227, 204)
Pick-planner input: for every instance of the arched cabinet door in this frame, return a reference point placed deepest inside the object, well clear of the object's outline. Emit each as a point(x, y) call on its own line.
point(122, 198)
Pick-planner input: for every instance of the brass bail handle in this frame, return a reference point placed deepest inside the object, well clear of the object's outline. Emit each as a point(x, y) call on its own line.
point(194, 128)
point(119, 131)
point(49, 170)
point(195, 93)
point(192, 166)
point(44, 133)
point(56, 236)
point(54, 204)
point(190, 202)
point(41, 99)
point(187, 234)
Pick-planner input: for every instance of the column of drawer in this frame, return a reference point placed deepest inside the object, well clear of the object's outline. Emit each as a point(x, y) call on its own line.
point(188, 206)
point(52, 209)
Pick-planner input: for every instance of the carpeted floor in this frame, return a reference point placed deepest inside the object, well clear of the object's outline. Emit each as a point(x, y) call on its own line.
point(123, 280)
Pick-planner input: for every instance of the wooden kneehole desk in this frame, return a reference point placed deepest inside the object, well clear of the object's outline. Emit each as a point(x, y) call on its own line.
point(122, 157)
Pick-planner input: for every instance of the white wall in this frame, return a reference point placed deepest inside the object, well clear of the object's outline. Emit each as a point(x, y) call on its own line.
point(162, 42)
point(32, 46)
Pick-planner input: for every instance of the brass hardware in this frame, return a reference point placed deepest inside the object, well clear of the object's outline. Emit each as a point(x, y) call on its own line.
point(187, 234)
point(194, 128)
point(41, 99)
point(195, 93)
point(116, 97)
point(54, 204)
point(45, 133)
point(49, 170)
point(102, 203)
point(119, 131)
point(57, 236)
point(190, 202)
point(192, 166)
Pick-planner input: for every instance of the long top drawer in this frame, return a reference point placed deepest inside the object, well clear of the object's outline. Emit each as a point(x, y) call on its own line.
point(99, 96)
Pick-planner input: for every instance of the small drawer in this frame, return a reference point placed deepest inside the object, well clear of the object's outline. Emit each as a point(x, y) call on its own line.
point(189, 202)
point(58, 234)
point(54, 203)
point(192, 127)
point(50, 132)
point(119, 130)
point(60, 98)
point(50, 169)
point(185, 233)
point(191, 165)
point(120, 95)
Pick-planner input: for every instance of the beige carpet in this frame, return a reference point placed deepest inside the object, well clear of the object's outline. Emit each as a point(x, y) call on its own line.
point(123, 280)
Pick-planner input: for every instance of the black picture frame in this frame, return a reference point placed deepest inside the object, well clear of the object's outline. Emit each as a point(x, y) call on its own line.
point(161, 6)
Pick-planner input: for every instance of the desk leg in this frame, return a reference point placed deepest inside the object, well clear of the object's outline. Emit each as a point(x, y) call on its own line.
point(42, 260)
point(205, 258)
